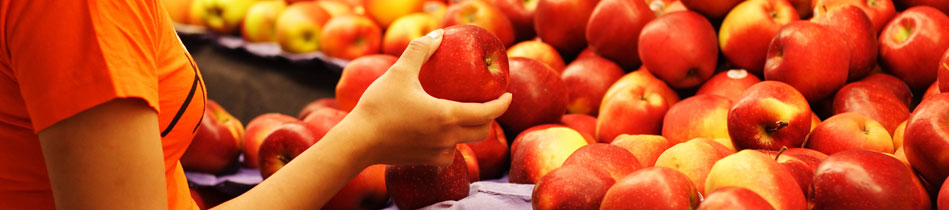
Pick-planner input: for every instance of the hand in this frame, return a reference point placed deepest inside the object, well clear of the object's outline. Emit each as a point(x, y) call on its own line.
point(408, 126)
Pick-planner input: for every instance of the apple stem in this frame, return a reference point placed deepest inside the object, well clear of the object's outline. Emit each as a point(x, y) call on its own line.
point(781, 151)
point(778, 126)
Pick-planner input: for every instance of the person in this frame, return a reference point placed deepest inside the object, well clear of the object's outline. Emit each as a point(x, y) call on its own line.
point(100, 100)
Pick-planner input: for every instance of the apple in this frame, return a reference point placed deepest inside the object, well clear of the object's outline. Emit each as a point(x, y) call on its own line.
point(217, 142)
point(335, 8)
point(941, 5)
point(727, 143)
point(857, 31)
point(196, 13)
point(748, 28)
point(880, 12)
point(316, 105)
point(587, 80)
point(898, 135)
point(403, 30)
point(178, 10)
point(614, 27)
point(652, 188)
point(646, 148)
point(521, 15)
point(729, 84)
point(815, 73)
point(634, 104)
point(562, 23)
point(912, 44)
point(534, 153)
point(849, 131)
point(470, 65)
point(943, 73)
point(366, 191)
point(711, 9)
point(299, 26)
point(436, 9)
point(225, 16)
point(585, 124)
point(933, 90)
point(892, 84)
point(734, 198)
point(258, 26)
point(694, 159)
point(703, 116)
point(800, 162)
point(491, 153)
point(358, 75)
point(350, 36)
point(322, 120)
point(257, 130)
point(481, 14)
point(614, 160)
point(679, 48)
point(571, 187)
point(417, 186)
point(759, 173)
point(926, 139)
point(769, 115)
point(198, 200)
point(474, 172)
point(284, 143)
point(537, 50)
point(386, 11)
point(873, 101)
point(943, 199)
point(860, 179)
point(539, 95)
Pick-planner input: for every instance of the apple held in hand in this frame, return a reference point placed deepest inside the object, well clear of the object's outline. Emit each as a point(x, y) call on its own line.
point(860, 179)
point(614, 28)
point(358, 75)
point(417, 186)
point(849, 131)
point(680, 48)
point(748, 28)
point(482, 14)
point(470, 65)
point(926, 139)
point(217, 142)
point(729, 84)
point(792, 59)
point(912, 44)
point(299, 26)
point(261, 18)
point(769, 115)
point(350, 36)
point(540, 96)
point(257, 130)
point(652, 188)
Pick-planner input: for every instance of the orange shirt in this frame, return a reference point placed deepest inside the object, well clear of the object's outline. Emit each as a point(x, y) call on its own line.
point(58, 58)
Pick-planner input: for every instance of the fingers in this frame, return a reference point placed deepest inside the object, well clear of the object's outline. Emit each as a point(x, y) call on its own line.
point(469, 134)
point(418, 51)
point(445, 157)
point(468, 114)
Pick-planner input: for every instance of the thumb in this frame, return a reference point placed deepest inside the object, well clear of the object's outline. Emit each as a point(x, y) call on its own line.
point(418, 51)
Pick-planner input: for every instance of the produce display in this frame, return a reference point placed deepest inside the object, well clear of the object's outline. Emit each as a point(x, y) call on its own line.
point(623, 104)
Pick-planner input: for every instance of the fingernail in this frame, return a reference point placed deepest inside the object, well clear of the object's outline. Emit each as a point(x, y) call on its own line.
point(437, 33)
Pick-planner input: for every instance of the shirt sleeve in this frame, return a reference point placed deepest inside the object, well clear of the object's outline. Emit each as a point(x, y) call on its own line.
point(69, 56)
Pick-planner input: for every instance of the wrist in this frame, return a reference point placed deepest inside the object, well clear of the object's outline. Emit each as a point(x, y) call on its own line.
point(354, 136)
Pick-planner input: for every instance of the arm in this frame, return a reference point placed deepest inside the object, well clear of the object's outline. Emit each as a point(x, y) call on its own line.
point(395, 122)
point(97, 160)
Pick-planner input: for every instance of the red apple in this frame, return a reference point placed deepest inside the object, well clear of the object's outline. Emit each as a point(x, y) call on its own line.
point(321, 121)
point(729, 84)
point(872, 101)
point(849, 131)
point(646, 148)
point(748, 28)
point(521, 14)
point(539, 150)
point(614, 160)
point(711, 9)
point(562, 23)
point(769, 115)
point(403, 30)
point(861, 179)
point(800, 162)
point(316, 105)
point(585, 124)
point(357, 76)
point(470, 65)
point(933, 90)
point(892, 84)
point(734, 198)
point(351, 36)
point(298, 27)
point(492, 153)
point(539, 51)
point(336, 8)
point(857, 31)
point(912, 44)
point(635, 104)
point(793, 60)
point(943, 200)
point(944, 72)
point(927, 139)
point(759, 173)
point(257, 130)
point(938, 4)
point(286, 142)
point(652, 188)
point(694, 159)
point(880, 12)
point(571, 187)
point(474, 171)
point(679, 48)
point(258, 25)
point(482, 14)
point(704, 116)
point(614, 28)
point(366, 191)
point(539, 95)
point(417, 186)
point(217, 142)
point(898, 135)
point(587, 80)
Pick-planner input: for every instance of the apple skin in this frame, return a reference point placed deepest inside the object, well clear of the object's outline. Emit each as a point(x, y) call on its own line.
point(941, 5)
point(703, 116)
point(521, 15)
point(585, 124)
point(258, 25)
point(734, 198)
point(652, 188)
point(257, 130)
point(801, 163)
point(403, 30)
point(943, 197)
point(680, 48)
point(759, 173)
point(912, 44)
point(384, 12)
point(562, 23)
point(284, 143)
point(646, 148)
point(694, 159)
point(474, 171)
point(892, 84)
point(336, 8)
point(587, 80)
point(634, 104)
point(855, 27)
point(614, 28)
point(898, 136)
point(417, 186)
point(317, 105)
point(933, 90)
point(849, 131)
point(880, 12)
point(541, 149)
point(470, 65)
point(769, 115)
point(322, 120)
point(225, 16)
point(729, 84)
point(299, 26)
point(711, 9)
point(366, 191)
point(350, 36)
point(539, 51)
point(747, 30)
point(539, 95)
point(357, 76)
point(816, 74)
point(614, 160)
point(571, 187)
point(491, 153)
point(196, 13)
point(943, 73)
point(873, 101)
point(217, 142)
point(178, 10)
point(861, 179)
point(925, 139)
point(482, 14)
